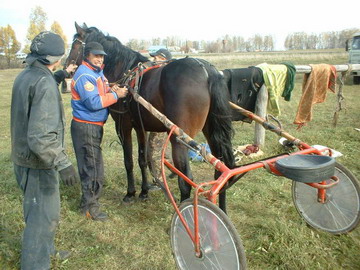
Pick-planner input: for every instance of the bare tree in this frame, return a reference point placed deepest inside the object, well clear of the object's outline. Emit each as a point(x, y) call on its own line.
point(268, 43)
point(133, 44)
point(258, 42)
point(156, 41)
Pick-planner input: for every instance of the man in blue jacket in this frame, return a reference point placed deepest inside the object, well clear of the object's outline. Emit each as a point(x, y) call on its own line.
point(91, 97)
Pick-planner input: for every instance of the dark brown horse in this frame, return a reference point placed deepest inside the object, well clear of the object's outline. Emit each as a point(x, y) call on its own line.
point(190, 92)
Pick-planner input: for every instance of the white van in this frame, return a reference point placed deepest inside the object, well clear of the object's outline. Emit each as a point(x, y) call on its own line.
point(353, 47)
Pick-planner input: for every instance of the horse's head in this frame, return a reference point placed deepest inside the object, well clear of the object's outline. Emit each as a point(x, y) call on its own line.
point(77, 46)
point(119, 58)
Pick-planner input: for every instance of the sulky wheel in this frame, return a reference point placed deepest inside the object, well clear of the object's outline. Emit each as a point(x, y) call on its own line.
point(221, 247)
point(341, 211)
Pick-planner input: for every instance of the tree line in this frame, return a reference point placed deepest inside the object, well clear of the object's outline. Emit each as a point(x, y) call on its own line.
point(225, 44)
point(10, 46)
point(325, 40)
point(228, 44)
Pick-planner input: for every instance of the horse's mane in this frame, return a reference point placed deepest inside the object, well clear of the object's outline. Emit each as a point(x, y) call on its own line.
point(116, 51)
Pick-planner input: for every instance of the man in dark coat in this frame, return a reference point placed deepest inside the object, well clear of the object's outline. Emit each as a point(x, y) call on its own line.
point(37, 148)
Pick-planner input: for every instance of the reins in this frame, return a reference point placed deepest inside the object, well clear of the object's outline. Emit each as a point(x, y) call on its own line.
point(133, 79)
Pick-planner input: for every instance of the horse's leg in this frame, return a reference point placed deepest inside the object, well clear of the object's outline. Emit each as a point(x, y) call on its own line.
point(222, 194)
point(141, 139)
point(124, 134)
point(222, 200)
point(181, 162)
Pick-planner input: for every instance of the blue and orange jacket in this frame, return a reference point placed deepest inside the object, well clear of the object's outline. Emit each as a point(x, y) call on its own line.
point(91, 95)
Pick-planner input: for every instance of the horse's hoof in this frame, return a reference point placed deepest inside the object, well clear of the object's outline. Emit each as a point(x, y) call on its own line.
point(144, 196)
point(129, 199)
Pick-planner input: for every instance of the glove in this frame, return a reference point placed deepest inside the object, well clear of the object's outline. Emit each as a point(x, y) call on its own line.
point(68, 176)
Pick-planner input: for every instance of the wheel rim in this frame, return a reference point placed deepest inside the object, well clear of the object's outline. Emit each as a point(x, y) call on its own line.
point(218, 248)
point(338, 214)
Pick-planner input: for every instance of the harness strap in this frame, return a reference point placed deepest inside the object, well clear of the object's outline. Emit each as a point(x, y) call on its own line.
point(133, 79)
point(137, 77)
point(134, 76)
point(203, 66)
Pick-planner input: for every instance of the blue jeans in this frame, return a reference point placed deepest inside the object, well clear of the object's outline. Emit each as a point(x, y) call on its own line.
point(41, 208)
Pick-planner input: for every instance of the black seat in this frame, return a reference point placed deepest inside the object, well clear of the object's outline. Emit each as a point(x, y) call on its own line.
point(306, 168)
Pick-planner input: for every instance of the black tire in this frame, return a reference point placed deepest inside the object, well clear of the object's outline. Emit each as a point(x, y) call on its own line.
point(340, 213)
point(221, 246)
point(356, 79)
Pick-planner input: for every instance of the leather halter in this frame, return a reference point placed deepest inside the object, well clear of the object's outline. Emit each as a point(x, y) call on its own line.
point(83, 49)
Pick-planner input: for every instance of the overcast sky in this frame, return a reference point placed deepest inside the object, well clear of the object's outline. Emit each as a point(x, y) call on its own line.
point(187, 19)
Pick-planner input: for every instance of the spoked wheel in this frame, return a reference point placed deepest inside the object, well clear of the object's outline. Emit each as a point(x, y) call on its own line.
point(221, 247)
point(341, 211)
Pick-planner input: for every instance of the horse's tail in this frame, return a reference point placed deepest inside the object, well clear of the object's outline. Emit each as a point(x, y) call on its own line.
point(219, 118)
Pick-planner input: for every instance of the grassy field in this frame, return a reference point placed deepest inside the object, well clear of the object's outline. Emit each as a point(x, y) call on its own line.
point(260, 205)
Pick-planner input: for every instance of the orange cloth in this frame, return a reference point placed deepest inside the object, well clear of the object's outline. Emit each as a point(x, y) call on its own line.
point(314, 90)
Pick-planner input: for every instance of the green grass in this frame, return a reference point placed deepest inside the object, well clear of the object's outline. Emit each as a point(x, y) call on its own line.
point(259, 205)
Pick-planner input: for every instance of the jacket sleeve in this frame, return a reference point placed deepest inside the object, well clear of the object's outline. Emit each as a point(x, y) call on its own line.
point(60, 75)
point(46, 125)
point(88, 91)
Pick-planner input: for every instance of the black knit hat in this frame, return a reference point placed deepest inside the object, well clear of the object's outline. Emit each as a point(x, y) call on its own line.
point(94, 48)
point(47, 44)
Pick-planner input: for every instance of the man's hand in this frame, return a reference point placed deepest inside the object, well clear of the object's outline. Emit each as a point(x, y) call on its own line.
point(68, 176)
point(71, 68)
point(121, 92)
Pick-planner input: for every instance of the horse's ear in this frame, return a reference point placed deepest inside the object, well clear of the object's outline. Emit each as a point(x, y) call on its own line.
point(79, 29)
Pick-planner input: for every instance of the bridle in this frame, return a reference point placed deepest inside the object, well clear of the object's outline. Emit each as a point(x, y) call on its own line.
point(82, 51)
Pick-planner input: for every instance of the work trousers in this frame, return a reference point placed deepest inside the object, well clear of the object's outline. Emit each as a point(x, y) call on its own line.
point(41, 208)
point(87, 140)
point(155, 143)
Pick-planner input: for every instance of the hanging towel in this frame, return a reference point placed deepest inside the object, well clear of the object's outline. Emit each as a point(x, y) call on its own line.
point(314, 90)
point(274, 78)
point(290, 80)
